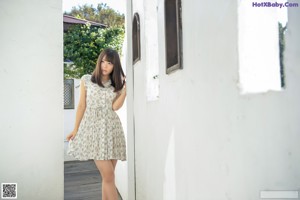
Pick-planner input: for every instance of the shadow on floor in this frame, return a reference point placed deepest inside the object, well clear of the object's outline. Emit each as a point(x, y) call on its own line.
point(82, 181)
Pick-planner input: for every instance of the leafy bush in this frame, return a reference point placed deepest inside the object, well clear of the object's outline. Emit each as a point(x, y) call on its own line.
point(83, 44)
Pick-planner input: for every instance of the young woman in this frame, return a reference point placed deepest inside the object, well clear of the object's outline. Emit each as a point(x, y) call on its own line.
point(98, 133)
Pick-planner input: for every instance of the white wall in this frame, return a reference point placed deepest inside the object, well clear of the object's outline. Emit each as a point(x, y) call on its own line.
point(31, 117)
point(201, 139)
point(121, 172)
point(129, 103)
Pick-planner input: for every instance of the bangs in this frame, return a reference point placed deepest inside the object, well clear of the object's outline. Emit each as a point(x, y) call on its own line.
point(110, 57)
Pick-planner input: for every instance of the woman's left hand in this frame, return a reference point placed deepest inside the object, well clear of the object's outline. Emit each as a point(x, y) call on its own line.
point(124, 84)
point(123, 78)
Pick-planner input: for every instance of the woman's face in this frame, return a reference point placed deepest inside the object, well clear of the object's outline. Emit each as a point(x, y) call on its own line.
point(106, 67)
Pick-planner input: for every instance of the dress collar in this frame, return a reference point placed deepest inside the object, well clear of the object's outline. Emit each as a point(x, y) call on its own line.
point(107, 83)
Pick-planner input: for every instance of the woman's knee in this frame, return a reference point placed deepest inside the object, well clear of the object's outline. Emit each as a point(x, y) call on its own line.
point(108, 176)
point(106, 169)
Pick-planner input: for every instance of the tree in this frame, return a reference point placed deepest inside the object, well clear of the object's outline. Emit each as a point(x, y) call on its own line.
point(82, 45)
point(102, 14)
point(281, 31)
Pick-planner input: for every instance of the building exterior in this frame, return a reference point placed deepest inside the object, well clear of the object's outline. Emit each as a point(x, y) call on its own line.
point(70, 21)
point(196, 128)
point(200, 126)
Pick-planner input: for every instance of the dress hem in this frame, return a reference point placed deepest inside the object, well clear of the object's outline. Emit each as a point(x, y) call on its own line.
point(96, 158)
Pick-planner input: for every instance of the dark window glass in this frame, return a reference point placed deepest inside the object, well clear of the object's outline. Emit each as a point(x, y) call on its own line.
point(136, 46)
point(173, 35)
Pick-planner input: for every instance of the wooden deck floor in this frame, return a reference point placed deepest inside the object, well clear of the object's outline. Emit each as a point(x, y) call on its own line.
point(82, 181)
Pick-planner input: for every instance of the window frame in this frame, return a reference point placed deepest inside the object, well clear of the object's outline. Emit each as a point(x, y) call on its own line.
point(72, 104)
point(136, 21)
point(179, 64)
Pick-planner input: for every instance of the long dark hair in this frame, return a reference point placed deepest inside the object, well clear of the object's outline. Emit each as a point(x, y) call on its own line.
point(115, 76)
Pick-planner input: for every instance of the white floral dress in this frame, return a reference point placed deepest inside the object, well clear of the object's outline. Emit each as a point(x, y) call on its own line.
point(100, 135)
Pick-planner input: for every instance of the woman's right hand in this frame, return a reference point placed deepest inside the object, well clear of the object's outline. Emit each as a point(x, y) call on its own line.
point(71, 135)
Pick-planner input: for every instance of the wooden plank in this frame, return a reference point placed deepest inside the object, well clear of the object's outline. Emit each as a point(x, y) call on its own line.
point(82, 181)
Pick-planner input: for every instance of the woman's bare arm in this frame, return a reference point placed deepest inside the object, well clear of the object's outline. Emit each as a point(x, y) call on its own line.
point(81, 105)
point(118, 102)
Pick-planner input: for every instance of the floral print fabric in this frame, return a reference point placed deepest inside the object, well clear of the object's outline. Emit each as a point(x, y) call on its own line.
point(100, 135)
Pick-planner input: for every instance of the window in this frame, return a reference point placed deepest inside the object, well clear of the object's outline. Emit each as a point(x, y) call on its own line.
point(173, 29)
point(69, 93)
point(136, 46)
point(261, 46)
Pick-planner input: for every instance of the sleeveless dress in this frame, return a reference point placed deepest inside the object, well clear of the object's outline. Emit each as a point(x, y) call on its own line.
point(100, 135)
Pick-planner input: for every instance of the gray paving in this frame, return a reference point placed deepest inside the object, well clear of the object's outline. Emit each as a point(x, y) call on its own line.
point(82, 181)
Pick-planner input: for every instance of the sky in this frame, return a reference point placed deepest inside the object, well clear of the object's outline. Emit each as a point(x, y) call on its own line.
point(118, 5)
point(282, 15)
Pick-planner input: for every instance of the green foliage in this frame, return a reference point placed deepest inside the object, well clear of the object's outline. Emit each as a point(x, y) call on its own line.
point(102, 14)
point(281, 31)
point(83, 44)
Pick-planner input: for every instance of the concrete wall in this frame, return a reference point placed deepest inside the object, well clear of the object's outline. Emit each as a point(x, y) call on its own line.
point(121, 171)
point(129, 100)
point(201, 139)
point(31, 117)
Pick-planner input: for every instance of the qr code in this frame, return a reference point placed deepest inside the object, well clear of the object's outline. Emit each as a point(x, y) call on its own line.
point(9, 190)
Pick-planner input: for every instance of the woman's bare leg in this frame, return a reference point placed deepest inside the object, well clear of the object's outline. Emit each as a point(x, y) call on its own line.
point(106, 168)
point(114, 162)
